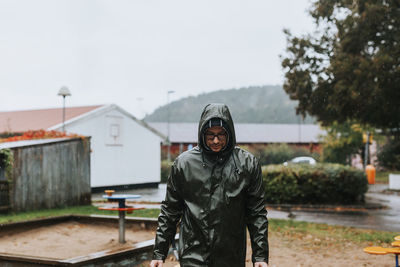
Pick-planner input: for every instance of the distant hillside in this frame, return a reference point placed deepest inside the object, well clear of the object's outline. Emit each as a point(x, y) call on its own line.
point(261, 104)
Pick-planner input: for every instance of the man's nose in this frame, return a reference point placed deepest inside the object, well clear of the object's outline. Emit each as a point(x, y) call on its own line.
point(216, 140)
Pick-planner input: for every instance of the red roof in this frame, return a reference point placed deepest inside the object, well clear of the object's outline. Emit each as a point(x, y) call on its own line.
point(21, 121)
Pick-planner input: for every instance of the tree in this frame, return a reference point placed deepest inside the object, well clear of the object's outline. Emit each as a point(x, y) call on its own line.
point(349, 68)
point(389, 154)
point(341, 142)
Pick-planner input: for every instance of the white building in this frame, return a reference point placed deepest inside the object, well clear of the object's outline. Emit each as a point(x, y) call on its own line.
point(125, 150)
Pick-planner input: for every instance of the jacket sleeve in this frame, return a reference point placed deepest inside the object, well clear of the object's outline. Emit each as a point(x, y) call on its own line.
point(256, 216)
point(171, 212)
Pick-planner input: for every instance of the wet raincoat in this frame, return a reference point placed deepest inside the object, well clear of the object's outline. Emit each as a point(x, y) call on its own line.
point(214, 196)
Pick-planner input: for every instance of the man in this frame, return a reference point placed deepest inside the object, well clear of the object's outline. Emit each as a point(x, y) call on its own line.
point(215, 190)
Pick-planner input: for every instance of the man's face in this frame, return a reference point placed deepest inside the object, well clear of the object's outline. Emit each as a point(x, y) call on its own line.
point(215, 138)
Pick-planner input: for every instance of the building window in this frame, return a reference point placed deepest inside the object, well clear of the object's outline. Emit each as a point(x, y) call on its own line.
point(114, 130)
point(114, 125)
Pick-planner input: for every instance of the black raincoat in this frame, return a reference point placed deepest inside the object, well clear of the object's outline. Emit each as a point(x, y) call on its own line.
point(214, 196)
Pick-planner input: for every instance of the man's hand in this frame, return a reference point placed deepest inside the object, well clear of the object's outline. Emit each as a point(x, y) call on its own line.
point(156, 263)
point(260, 264)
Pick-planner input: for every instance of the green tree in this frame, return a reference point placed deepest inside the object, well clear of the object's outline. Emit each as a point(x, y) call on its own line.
point(349, 68)
point(342, 141)
point(389, 155)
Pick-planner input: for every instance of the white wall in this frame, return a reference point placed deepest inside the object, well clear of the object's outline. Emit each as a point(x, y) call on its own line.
point(123, 151)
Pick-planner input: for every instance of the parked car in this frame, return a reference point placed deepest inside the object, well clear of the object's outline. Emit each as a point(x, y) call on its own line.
point(301, 160)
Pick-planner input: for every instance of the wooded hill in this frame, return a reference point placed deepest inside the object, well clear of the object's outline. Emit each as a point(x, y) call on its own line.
point(256, 104)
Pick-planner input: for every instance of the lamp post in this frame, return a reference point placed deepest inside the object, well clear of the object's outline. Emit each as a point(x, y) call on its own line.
point(168, 141)
point(64, 91)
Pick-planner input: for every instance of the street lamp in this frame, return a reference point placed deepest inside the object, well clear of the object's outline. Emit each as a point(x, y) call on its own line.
point(64, 91)
point(168, 141)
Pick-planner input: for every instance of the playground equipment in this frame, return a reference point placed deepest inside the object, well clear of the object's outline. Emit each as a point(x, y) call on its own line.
point(121, 208)
point(384, 251)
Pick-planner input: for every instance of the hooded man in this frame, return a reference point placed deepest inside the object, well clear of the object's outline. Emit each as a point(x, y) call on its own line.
point(215, 191)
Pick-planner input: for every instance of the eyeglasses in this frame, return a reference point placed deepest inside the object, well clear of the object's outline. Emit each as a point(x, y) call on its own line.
point(211, 136)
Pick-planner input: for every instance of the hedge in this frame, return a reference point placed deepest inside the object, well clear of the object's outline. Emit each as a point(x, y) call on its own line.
point(314, 184)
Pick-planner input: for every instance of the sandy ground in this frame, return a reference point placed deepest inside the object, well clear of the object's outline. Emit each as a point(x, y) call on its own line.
point(72, 239)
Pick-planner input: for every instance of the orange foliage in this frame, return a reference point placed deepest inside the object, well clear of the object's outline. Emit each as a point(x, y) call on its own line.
point(39, 134)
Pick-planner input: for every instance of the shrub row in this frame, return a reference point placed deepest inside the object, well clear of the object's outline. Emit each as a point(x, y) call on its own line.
point(318, 184)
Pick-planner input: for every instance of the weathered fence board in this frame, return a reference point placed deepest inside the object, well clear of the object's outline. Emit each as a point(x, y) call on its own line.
point(51, 175)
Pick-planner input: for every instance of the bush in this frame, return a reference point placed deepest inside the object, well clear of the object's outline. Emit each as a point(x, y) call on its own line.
point(6, 162)
point(165, 169)
point(318, 184)
point(389, 155)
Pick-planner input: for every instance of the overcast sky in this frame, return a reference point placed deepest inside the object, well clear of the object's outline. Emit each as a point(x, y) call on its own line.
point(131, 52)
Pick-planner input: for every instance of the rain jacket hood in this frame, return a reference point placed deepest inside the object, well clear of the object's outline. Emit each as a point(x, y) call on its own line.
point(219, 111)
point(213, 198)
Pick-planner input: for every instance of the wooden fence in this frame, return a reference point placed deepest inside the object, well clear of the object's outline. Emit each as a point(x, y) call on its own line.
point(51, 175)
point(4, 196)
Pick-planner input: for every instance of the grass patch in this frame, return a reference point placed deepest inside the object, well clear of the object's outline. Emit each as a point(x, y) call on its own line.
point(77, 210)
point(383, 177)
point(338, 234)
